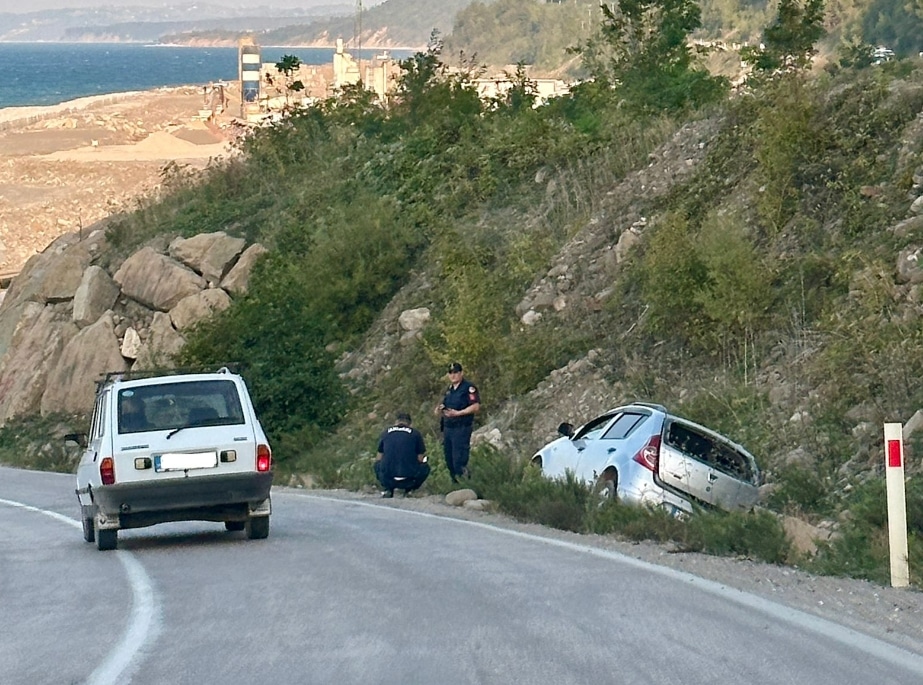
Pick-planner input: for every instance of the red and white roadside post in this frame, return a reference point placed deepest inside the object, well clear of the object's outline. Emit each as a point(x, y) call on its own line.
point(897, 504)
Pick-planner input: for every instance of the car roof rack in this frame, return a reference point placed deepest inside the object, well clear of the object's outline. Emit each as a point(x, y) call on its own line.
point(113, 376)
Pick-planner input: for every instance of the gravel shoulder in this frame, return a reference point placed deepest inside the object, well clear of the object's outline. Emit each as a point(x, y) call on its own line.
point(889, 614)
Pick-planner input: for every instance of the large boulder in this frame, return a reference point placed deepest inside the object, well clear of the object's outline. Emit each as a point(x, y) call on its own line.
point(238, 279)
point(54, 274)
point(96, 293)
point(42, 334)
point(90, 354)
point(190, 310)
point(157, 281)
point(162, 344)
point(210, 254)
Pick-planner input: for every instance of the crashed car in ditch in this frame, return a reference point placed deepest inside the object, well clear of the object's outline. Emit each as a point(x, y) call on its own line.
point(641, 453)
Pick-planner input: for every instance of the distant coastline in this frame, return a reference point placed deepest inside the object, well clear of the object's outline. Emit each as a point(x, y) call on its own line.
point(82, 70)
point(216, 44)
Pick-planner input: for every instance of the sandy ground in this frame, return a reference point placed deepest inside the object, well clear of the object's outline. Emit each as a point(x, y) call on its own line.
point(65, 167)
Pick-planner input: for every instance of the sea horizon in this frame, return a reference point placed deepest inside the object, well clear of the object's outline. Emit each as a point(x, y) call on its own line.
point(95, 69)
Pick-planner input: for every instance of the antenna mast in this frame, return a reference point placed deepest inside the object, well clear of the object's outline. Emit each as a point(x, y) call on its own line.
point(359, 37)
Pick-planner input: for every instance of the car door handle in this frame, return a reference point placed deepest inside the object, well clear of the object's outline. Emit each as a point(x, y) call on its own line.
point(611, 450)
point(712, 477)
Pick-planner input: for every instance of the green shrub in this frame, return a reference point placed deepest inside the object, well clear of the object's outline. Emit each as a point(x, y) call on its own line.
point(798, 489)
point(37, 442)
point(861, 547)
point(757, 535)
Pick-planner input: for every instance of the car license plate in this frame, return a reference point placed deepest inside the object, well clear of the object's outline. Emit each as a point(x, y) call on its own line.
point(174, 461)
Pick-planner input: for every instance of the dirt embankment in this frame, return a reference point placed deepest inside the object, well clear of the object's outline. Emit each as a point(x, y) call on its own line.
point(65, 167)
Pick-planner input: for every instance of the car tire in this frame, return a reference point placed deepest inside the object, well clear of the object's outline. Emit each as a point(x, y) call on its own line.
point(89, 528)
point(607, 488)
point(107, 539)
point(257, 527)
point(235, 525)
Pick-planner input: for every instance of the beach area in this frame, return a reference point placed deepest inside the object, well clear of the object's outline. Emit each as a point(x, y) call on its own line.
point(64, 167)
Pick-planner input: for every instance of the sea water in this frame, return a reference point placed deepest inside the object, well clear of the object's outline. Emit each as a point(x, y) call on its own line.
point(50, 73)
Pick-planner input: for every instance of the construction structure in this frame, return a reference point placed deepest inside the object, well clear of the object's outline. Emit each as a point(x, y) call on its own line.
point(249, 65)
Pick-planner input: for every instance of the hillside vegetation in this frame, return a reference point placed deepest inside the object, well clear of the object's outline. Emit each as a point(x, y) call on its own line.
point(732, 255)
point(541, 33)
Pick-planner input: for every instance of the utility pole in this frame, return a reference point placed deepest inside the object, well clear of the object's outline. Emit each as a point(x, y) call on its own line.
point(359, 37)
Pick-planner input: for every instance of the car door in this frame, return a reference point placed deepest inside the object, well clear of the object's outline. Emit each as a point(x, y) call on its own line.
point(707, 467)
point(606, 446)
point(88, 467)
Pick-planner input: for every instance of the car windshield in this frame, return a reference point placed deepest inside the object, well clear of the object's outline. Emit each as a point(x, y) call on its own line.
point(167, 406)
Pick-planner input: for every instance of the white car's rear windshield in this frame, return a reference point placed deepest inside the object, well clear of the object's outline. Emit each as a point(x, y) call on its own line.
point(168, 406)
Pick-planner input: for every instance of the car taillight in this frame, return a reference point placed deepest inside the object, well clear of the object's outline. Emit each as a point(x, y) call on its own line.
point(649, 455)
point(263, 458)
point(107, 470)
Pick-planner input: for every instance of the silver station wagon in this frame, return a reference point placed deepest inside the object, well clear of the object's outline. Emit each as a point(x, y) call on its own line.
point(182, 447)
point(640, 453)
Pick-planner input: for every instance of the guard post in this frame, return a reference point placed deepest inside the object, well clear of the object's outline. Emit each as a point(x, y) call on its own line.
point(897, 504)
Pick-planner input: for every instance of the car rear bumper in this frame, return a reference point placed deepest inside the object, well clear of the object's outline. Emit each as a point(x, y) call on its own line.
point(229, 491)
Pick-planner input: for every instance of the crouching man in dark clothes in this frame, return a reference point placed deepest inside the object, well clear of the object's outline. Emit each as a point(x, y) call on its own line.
point(401, 461)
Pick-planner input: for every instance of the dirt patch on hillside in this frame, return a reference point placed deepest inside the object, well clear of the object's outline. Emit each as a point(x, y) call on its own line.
point(65, 167)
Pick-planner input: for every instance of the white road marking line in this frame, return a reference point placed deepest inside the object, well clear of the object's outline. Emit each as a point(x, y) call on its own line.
point(143, 624)
point(872, 646)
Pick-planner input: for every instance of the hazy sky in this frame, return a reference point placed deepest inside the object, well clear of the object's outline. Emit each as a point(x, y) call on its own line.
point(20, 6)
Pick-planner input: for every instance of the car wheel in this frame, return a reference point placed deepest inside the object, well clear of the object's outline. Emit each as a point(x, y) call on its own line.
point(107, 539)
point(257, 527)
point(607, 488)
point(89, 528)
point(235, 525)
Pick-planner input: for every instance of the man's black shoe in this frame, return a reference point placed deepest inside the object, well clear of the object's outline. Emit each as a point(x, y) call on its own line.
point(387, 494)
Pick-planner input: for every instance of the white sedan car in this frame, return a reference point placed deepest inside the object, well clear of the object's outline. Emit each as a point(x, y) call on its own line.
point(641, 453)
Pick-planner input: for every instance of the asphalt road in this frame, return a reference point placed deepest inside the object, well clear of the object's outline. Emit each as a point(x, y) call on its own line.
point(352, 592)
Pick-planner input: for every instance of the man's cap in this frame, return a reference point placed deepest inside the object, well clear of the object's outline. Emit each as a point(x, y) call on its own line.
point(455, 367)
point(403, 416)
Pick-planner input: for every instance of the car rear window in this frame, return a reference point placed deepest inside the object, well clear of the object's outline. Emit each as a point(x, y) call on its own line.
point(717, 454)
point(624, 425)
point(167, 406)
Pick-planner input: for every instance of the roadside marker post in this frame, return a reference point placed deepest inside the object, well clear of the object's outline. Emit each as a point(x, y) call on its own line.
point(897, 504)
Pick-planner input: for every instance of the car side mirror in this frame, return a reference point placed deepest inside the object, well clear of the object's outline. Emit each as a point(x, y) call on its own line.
point(566, 429)
point(78, 439)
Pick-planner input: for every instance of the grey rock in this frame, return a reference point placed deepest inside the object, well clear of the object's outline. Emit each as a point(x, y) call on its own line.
point(414, 319)
point(194, 308)
point(71, 385)
point(162, 344)
point(131, 344)
point(478, 505)
point(157, 281)
point(41, 336)
point(457, 498)
point(627, 241)
point(237, 282)
point(909, 268)
point(96, 293)
point(210, 254)
point(914, 423)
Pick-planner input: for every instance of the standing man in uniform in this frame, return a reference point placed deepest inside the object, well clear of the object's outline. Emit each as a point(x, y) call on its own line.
point(401, 460)
point(456, 412)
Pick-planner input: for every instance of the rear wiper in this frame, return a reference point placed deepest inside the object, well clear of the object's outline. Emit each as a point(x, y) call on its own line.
point(175, 431)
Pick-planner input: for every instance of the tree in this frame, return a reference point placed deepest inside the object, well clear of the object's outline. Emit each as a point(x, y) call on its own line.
point(643, 51)
point(789, 42)
point(289, 66)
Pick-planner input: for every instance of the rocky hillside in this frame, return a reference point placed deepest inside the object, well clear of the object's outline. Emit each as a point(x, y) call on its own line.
point(66, 320)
